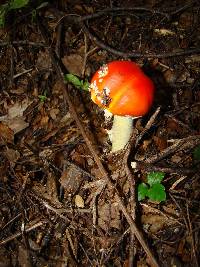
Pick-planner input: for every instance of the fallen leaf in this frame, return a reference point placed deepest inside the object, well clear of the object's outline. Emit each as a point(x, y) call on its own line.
point(164, 32)
point(176, 159)
point(6, 134)
point(17, 124)
point(109, 216)
point(160, 142)
point(18, 108)
point(23, 256)
point(15, 119)
point(154, 221)
point(79, 202)
point(71, 179)
point(12, 155)
point(43, 61)
point(54, 112)
point(73, 64)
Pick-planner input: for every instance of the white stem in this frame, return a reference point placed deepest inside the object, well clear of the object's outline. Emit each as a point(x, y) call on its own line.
point(121, 132)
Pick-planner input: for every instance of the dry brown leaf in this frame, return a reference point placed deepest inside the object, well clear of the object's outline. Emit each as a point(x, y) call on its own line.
point(44, 120)
point(73, 63)
point(44, 61)
point(170, 76)
point(5, 260)
point(51, 187)
point(79, 202)
point(18, 108)
point(109, 216)
point(176, 159)
point(15, 119)
point(17, 124)
point(172, 126)
point(160, 142)
point(192, 59)
point(146, 144)
point(23, 256)
point(54, 112)
point(6, 134)
point(12, 155)
point(71, 179)
point(155, 222)
point(164, 32)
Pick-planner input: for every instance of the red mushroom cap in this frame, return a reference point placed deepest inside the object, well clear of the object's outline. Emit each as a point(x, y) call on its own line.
point(122, 88)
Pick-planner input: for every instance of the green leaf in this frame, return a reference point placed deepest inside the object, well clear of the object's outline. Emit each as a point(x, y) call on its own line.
point(157, 192)
point(142, 191)
point(73, 79)
point(2, 17)
point(15, 4)
point(86, 85)
point(42, 98)
point(196, 153)
point(155, 178)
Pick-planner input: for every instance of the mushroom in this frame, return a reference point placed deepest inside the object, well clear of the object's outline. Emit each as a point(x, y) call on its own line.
point(121, 88)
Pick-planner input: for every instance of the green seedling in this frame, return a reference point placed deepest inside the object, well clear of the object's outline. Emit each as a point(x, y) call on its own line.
point(153, 189)
point(10, 5)
point(196, 153)
point(43, 97)
point(34, 11)
point(76, 82)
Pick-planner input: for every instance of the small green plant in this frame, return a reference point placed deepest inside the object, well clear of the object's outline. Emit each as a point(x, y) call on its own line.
point(153, 189)
point(11, 5)
point(43, 97)
point(196, 153)
point(79, 84)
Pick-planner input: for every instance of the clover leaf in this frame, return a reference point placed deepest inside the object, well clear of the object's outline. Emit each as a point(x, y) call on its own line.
point(196, 153)
point(155, 177)
point(156, 192)
point(153, 189)
point(142, 191)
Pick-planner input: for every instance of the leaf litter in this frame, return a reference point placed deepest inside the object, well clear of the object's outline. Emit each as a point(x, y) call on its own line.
point(56, 207)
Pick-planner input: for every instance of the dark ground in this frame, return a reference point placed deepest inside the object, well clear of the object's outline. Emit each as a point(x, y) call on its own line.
point(64, 199)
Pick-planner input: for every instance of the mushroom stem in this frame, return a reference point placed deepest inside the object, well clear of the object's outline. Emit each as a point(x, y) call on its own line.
point(121, 132)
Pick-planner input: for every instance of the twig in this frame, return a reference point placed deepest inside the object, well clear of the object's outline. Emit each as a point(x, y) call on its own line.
point(58, 210)
point(119, 53)
point(153, 168)
point(116, 10)
point(27, 229)
point(157, 211)
point(102, 170)
point(58, 40)
point(185, 143)
point(87, 54)
point(22, 73)
point(114, 246)
point(192, 238)
point(11, 78)
point(182, 213)
point(180, 123)
point(148, 126)
point(11, 221)
point(174, 185)
point(23, 42)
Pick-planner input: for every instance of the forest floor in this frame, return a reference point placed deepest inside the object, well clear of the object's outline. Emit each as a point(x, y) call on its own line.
point(66, 200)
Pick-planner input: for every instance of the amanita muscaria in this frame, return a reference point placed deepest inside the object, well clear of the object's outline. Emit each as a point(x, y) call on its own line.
point(122, 88)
